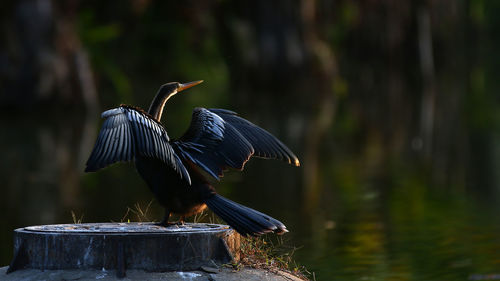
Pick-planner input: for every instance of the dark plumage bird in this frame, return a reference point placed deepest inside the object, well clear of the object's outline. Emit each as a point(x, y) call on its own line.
point(217, 139)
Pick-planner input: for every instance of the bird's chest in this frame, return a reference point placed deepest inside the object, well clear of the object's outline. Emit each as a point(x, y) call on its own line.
point(170, 190)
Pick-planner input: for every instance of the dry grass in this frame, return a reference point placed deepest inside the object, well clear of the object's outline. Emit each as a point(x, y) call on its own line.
point(140, 213)
point(200, 217)
point(75, 220)
point(270, 253)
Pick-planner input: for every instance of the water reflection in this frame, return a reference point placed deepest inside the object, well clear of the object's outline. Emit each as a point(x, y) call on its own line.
point(391, 107)
point(398, 227)
point(359, 222)
point(41, 189)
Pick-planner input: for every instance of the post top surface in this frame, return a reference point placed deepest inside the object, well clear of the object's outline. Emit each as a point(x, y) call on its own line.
point(132, 227)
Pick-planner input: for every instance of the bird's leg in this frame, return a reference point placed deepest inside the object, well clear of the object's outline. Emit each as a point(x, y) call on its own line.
point(164, 221)
point(181, 220)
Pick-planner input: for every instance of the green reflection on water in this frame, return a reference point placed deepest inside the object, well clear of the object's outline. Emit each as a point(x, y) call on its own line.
point(400, 228)
point(386, 223)
point(367, 203)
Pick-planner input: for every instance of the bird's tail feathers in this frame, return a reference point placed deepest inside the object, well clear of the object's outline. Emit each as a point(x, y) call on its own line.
point(245, 220)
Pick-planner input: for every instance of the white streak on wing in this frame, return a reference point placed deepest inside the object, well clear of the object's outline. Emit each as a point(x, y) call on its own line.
point(111, 112)
point(219, 125)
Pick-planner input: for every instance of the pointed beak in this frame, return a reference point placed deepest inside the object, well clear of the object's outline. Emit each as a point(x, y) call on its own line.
point(185, 86)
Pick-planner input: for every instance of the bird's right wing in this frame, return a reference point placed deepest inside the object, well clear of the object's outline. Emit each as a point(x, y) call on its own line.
point(218, 139)
point(128, 132)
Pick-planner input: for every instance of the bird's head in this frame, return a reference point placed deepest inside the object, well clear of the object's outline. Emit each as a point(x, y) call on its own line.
point(167, 91)
point(172, 88)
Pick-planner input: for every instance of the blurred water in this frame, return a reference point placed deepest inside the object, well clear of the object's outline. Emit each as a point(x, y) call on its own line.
point(391, 106)
point(360, 221)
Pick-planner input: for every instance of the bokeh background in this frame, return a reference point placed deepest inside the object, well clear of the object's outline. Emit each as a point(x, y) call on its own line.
point(392, 107)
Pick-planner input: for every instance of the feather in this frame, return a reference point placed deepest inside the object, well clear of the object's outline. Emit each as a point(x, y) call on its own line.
point(218, 139)
point(128, 132)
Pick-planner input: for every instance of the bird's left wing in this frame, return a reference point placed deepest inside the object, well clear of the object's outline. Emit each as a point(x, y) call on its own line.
point(127, 133)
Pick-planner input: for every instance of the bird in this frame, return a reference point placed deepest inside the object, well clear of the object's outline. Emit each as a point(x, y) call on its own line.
point(177, 171)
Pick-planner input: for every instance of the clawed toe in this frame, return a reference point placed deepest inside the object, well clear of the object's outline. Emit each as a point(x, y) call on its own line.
point(167, 224)
point(164, 224)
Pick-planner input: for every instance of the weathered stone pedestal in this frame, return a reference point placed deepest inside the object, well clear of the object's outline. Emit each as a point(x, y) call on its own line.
point(123, 246)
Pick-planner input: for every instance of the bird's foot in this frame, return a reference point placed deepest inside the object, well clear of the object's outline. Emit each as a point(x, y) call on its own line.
point(167, 224)
point(180, 223)
point(164, 224)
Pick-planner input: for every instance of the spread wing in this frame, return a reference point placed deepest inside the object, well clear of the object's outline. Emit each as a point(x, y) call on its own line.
point(218, 139)
point(127, 133)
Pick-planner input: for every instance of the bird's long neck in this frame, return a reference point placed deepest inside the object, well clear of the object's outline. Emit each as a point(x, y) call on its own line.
point(158, 103)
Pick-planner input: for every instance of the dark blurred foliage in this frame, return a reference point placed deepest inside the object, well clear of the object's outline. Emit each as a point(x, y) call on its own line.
point(392, 108)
